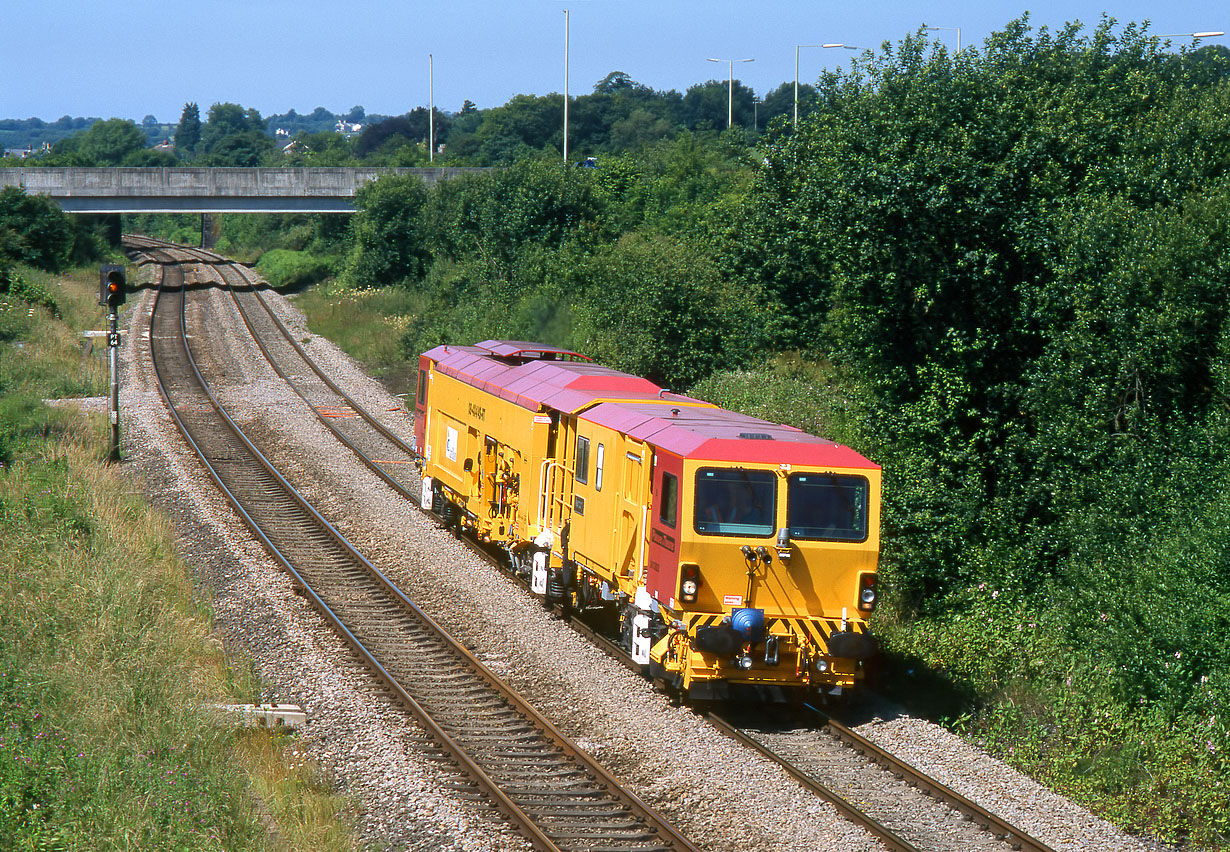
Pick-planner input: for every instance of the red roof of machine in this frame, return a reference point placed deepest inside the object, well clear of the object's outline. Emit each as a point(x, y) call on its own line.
point(529, 375)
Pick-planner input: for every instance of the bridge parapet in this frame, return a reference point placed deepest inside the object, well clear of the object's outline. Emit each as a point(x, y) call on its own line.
point(206, 190)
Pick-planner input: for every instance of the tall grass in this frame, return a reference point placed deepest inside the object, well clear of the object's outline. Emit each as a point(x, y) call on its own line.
point(368, 324)
point(107, 667)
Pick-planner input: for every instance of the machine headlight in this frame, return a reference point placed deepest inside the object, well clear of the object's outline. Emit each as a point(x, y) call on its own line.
point(867, 592)
point(689, 581)
point(822, 666)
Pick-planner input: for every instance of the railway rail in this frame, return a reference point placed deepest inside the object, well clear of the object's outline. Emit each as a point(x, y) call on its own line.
point(810, 753)
point(816, 752)
point(548, 789)
point(374, 444)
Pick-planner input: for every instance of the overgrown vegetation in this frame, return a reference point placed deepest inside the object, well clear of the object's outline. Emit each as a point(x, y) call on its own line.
point(107, 670)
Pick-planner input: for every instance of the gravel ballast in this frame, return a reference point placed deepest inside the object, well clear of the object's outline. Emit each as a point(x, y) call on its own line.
point(718, 794)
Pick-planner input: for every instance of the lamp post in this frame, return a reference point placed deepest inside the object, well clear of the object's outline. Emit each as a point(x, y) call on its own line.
point(730, 90)
point(957, 29)
point(1193, 36)
point(565, 87)
point(431, 109)
point(796, 70)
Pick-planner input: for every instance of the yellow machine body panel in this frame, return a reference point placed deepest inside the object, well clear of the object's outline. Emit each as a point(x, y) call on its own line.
point(732, 550)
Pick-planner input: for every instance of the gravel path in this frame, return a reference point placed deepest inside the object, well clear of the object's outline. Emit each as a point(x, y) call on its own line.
point(719, 795)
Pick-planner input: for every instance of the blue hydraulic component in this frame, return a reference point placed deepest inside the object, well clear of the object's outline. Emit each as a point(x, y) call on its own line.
point(748, 623)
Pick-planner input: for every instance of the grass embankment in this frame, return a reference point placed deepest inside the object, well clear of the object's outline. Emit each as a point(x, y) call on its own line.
point(107, 666)
point(369, 325)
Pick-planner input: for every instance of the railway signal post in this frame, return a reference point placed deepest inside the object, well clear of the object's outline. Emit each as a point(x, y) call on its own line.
point(112, 290)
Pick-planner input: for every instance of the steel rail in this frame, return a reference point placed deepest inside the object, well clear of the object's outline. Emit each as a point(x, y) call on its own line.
point(847, 809)
point(223, 265)
point(502, 801)
point(519, 817)
point(398, 445)
point(937, 790)
point(324, 377)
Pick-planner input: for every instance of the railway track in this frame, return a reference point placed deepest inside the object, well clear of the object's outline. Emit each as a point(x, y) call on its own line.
point(816, 751)
point(910, 812)
point(547, 788)
point(377, 447)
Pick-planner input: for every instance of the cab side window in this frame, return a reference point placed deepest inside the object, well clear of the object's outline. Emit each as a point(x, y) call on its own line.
point(582, 470)
point(669, 512)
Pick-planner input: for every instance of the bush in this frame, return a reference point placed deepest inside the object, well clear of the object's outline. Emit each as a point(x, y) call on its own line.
point(661, 309)
point(35, 231)
point(33, 292)
point(286, 268)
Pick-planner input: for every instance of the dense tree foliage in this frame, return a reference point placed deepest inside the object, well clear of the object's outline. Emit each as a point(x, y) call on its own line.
point(188, 132)
point(34, 231)
point(1020, 255)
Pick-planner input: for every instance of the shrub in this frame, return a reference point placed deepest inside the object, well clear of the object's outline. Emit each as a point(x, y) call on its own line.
point(286, 268)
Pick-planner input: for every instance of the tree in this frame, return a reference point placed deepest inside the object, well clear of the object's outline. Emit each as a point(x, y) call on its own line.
point(660, 308)
point(35, 231)
point(110, 142)
point(527, 123)
point(615, 82)
point(780, 102)
point(497, 215)
point(708, 105)
point(234, 136)
point(923, 223)
point(409, 129)
point(389, 243)
point(188, 133)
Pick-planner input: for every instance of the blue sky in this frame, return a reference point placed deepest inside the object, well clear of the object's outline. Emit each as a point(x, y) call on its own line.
point(130, 58)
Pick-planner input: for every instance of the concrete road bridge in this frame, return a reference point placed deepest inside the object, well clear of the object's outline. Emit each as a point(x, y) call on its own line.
point(206, 190)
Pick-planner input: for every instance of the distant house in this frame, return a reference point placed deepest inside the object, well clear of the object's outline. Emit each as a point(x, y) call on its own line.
point(347, 128)
point(294, 146)
point(165, 145)
point(281, 131)
point(28, 151)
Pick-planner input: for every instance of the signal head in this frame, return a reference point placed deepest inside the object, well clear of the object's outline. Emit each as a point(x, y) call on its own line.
point(113, 286)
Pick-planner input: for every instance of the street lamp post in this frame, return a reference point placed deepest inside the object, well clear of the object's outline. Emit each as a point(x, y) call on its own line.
point(957, 29)
point(566, 86)
point(1193, 36)
point(431, 109)
point(730, 90)
point(796, 71)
